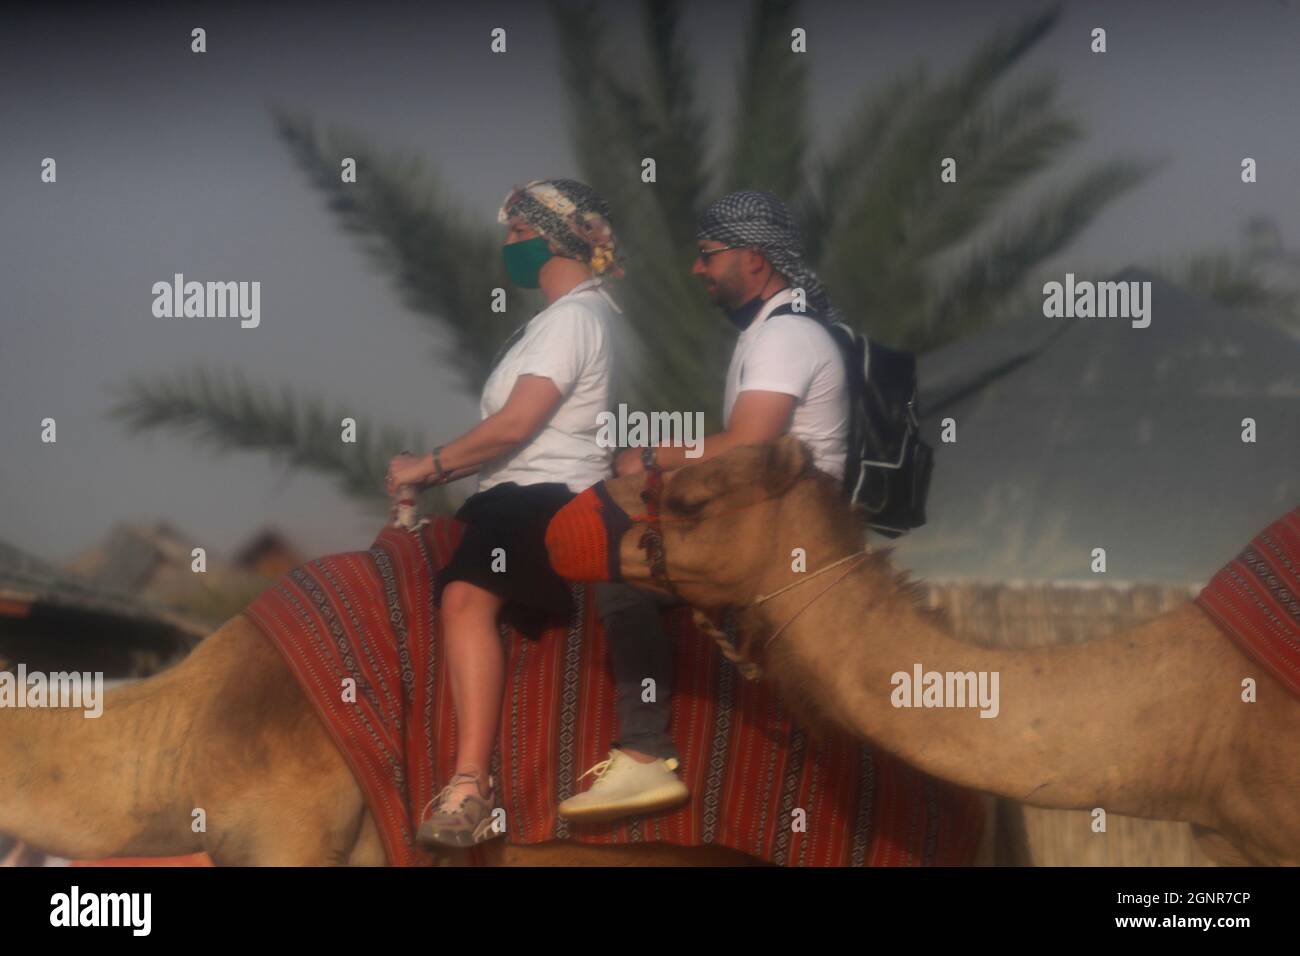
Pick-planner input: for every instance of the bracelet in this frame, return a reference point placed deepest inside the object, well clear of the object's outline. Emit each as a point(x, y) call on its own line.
point(438, 474)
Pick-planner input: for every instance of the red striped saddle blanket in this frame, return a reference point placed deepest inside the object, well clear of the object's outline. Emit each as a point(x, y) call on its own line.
point(369, 616)
point(1255, 599)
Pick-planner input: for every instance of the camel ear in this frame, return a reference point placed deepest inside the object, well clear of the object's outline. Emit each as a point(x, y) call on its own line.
point(788, 459)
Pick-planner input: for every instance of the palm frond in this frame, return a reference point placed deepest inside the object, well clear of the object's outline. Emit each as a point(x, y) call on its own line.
point(771, 137)
point(868, 135)
point(968, 298)
point(610, 127)
point(611, 130)
point(678, 129)
point(998, 150)
point(227, 413)
point(444, 267)
point(882, 208)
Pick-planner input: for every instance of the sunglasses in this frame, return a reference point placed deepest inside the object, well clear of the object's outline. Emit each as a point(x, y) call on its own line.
point(707, 254)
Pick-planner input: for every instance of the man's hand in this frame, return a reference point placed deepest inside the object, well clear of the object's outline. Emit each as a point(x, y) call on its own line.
point(628, 462)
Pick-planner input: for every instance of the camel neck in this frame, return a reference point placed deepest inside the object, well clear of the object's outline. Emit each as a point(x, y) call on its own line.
point(83, 787)
point(1047, 726)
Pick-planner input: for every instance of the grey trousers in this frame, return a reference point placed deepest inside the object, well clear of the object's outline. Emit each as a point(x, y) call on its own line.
point(639, 648)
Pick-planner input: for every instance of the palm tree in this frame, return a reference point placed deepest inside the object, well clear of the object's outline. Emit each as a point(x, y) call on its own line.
point(909, 259)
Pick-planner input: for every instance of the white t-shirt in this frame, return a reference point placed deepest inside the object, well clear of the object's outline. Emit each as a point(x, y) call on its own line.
point(569, 343)
point(795, 355)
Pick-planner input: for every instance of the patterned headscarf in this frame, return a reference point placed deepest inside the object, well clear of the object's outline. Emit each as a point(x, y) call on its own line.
point(572, 216)
point(752, 218)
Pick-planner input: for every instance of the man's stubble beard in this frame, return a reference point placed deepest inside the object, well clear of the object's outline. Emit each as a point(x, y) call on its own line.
point(723, 292)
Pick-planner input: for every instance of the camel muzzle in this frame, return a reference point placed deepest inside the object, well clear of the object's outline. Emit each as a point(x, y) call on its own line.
point(583, 539)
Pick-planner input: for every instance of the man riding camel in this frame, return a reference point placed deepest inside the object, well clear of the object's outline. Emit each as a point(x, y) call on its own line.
point(786, 376)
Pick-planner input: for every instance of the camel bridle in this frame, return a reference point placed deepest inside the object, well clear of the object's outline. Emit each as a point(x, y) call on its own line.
point(652, 543)
point(652, 539)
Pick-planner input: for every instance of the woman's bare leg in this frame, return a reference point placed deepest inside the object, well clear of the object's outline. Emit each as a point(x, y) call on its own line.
point(476, 666)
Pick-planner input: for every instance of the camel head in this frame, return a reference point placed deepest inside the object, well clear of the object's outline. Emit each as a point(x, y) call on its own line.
point(718, 522)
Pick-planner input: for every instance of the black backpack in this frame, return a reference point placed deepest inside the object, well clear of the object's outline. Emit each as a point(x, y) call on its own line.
point(887, 472)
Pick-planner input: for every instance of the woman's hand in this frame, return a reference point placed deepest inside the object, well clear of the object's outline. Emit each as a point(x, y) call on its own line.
point(628, 462)
point(409, 470)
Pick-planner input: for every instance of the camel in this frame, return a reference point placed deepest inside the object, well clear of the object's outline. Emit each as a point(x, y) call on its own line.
point(228, 731)
point(1148, 722)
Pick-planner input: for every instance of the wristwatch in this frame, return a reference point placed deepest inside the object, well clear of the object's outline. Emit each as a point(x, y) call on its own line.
point(438, 473)
point(648, 455)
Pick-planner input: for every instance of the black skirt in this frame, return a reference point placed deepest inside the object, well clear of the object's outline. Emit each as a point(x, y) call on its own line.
point(513, 518)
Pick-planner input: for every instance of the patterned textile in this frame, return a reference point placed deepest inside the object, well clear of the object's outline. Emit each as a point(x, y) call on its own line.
point(572, 216)
point(752, 218)
point(1255, 599)
point(368, 615)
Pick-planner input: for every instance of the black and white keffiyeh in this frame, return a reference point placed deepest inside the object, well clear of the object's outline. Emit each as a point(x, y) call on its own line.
point(749, 217)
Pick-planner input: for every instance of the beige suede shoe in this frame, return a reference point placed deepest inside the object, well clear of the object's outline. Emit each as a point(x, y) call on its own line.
point(626, 787)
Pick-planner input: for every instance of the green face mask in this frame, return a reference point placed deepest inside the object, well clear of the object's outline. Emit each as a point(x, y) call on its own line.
point(524, 260)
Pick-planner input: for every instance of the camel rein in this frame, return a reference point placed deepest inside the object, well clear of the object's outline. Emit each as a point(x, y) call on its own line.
point(652, 542)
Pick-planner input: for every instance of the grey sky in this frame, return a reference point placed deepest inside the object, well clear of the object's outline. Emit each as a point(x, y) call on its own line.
point(168, 162)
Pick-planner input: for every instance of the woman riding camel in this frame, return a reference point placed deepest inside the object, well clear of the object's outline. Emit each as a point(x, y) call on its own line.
point(534, 450)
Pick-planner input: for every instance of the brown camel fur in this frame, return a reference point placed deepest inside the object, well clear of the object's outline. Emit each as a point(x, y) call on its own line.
point(229, 732)
point(1149, 722)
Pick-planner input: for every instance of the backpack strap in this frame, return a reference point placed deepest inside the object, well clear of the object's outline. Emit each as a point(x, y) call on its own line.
point(887, 471)
point(786, 308)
